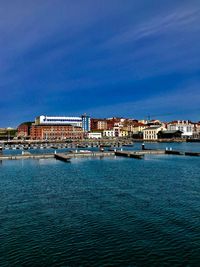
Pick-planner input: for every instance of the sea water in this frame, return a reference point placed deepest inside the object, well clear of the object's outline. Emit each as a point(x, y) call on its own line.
point(100, 212)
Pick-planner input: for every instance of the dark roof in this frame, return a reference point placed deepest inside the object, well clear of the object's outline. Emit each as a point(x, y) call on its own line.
point(171, 132)
point(152, 128)
point(28, 123)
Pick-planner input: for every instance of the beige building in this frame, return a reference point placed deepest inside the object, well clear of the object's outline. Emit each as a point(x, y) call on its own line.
point(123, 133)
point(102, 125)
point(196, 132)
point(120, 132)
point(138, 127)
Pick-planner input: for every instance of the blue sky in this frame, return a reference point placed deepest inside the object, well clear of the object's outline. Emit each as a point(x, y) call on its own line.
point(107, 58)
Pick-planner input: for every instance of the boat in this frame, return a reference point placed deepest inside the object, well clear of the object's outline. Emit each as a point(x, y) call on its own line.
point(85, 151)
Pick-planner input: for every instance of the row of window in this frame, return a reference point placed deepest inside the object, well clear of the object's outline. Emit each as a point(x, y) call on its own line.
point(150, 136)
point(64, 120)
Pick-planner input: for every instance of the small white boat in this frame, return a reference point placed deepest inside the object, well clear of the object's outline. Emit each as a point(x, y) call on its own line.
point(85, 151)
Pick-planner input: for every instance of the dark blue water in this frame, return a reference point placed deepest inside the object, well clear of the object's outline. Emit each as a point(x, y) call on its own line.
point(92, 212)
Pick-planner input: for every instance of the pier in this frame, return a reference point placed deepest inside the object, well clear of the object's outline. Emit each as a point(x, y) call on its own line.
point(130, 154)
point(174, 152)
point(197, 154)
point(91, 154)
point(140, 154)
point(62, 157)
point(29, 156)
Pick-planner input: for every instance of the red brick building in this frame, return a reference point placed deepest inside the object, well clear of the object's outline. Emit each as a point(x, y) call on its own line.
point(55, 132)
point(23, 130)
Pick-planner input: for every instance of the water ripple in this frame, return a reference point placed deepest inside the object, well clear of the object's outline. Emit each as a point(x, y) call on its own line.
point(100, 213)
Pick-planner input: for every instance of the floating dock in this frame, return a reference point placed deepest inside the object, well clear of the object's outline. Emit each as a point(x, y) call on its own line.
point(196, 154)
point(130, 154)
point(90, 154)
point(174, 152)
point(30, 156)
point(62, 157)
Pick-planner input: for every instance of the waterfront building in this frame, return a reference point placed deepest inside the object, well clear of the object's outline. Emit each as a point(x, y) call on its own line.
point(83, 121)
point(102, 125)
point(62, 120)
point(169, 134)
point(55, 132)
point(196, 132)
point(137, 135)
point(186, 127)
point(109, 133)
point(151, 133)
point(136, 127)
point(108, 123)
point(120, 132)
point(116, 130)
point(8, 133)
point(86, 123)
point(98, 124)
point(111, 122)
point(123, 133)
point(23, 130)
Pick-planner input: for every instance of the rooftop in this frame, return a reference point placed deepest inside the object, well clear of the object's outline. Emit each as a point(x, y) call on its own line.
point(152, 128)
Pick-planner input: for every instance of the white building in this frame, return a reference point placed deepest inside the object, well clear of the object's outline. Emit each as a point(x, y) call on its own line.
point(186, 127)
point(75, 121)
point(109, 133)
point(151, 133)
point(94, 135)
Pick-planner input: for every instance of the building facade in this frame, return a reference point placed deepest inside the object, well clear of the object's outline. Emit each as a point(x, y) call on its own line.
point(51, 120)
point(8, 133)
point(86, 123)
point(169, 134)
point(83, 121)
point(109, 133)
point(196, 133)
point(151, 133)
point(186, 127)
point(95, 135)
point(98, 124)
point(23, 130)
point(55, 132)
point(136, 127)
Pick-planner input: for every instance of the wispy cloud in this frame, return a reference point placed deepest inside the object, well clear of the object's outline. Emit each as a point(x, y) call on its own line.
point(176, 21)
